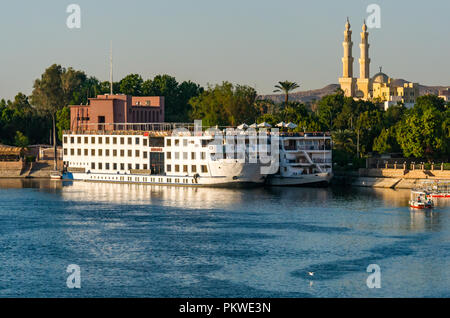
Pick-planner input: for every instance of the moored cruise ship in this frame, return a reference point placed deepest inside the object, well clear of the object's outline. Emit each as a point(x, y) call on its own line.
point(305, 159)
point(157, 154)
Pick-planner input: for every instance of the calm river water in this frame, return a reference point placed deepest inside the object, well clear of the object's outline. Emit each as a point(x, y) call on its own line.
point(145, 241)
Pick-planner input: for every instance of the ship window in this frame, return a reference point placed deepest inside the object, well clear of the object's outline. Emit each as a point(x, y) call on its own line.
point(122, 167)
point(65, 139)
point(114, 153)
point(169, 142)
point(100, 152)
point(169, 168)
point(185, 142)
point(137, 166)
point(122, 140)
point(100, 166)
point(65, 151)
point(114, 140)
point(107, 152)
point(177, 142)
point(137, 140)
point(204, 169)
point(130, 166)
point(72, 152)
point(177, 155)
point(92, 165)
point(130, 140)
point(114, 166)
point(107, 140)
point(145, 166)
point(168, 155)
point(185, 155)
point(194, 168)
point(72, 140)
point(204, 143)
point(185, 168)
point(144, 154)
point(79, 140)
point(92, 152)
point(100, 140)
point(130, 153)
point(92, 140)
point(144, 142)
point(203, 155)
point(79, 152)
point(86, 140)
point(193, 155)
point(136, 153)
point(177, 168)
point(86, 152)
point(122, 153)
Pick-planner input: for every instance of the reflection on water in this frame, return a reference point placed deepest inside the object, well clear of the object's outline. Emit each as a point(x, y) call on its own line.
point(141, 240)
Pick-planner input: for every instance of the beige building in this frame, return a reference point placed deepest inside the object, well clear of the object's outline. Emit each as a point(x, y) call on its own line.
point(380, 86)
point(445, 94)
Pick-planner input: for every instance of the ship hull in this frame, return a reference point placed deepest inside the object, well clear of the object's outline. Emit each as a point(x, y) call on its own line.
point(231, 174)
point(303, 180)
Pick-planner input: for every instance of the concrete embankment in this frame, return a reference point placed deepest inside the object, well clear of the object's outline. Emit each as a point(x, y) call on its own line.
point(389, 178)
point(19, 169)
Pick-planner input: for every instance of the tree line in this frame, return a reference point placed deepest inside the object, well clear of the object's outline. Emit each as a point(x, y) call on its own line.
point(358, 127)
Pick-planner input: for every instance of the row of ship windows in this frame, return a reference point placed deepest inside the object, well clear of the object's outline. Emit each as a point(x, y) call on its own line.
point(107, 140)
point(115, 152)
point(107, 152)
point(185, 142)
point(176, 168)
point(142, 179)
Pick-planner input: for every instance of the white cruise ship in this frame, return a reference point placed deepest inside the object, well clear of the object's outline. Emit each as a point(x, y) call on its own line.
point(305, 159)
point(153, 156)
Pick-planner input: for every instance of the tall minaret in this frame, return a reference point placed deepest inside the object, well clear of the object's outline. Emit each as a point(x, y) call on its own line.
point(347, 80)
point(364, 64)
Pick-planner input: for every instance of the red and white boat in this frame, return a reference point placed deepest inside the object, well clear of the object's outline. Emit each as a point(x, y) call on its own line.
point(421, 200)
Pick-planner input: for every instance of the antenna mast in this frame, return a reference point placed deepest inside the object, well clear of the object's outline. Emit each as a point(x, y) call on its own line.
point(111, 70)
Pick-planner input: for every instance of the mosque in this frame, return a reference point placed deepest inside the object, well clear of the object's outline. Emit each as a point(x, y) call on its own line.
point(380, 86)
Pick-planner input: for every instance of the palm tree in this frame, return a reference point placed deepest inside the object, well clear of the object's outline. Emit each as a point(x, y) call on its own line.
point(286, 87)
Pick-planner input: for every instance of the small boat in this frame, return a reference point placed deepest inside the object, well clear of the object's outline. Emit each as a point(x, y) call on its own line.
point(55, 175)
point(421, 200)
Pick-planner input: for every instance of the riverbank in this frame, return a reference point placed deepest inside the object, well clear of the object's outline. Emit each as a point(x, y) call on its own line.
point(388, 178)
point(22, 170)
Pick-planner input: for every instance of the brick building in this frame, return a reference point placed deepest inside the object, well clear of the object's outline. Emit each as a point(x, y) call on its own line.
point(114, 109)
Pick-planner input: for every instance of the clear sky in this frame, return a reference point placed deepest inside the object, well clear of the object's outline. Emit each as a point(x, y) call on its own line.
point(253, 42)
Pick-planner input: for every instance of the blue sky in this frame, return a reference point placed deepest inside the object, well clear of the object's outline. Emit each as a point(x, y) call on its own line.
point(253, 42)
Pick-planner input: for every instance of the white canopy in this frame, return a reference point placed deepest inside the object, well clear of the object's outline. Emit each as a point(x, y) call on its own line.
point(242, 126)
point(281, 124)
point(253, 125)
point(291, 125)
point(264, 125)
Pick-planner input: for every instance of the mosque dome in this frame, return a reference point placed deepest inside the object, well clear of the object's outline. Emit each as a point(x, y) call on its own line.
point(380, 77)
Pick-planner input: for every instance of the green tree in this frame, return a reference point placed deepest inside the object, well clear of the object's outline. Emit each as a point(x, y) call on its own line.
point(286, 87)
point(422, 132)
point(386, 142)
point(328, 109)
point(176, 96)
point(132, 85)
point(62, 120)
point(20, 140)
point(225, 105)
point(53, 91)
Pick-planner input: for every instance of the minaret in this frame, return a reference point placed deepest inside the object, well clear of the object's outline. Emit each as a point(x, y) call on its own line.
point(347, 80)
point(364, 64)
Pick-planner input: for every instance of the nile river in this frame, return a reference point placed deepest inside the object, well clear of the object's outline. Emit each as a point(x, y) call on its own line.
point(149, 241)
